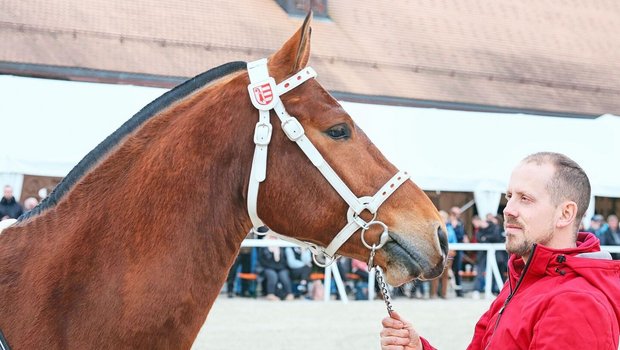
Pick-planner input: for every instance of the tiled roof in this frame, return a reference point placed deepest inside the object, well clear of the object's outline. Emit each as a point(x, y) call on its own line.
point(548, 55)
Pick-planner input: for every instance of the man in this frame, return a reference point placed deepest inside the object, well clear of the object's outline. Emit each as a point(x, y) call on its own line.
point(599, 227)
point(612, 235)
point(9, 207)
point(487, 231)
point(454, 221)
point(561, 292)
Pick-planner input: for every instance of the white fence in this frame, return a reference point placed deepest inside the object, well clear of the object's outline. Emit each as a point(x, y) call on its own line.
point(492, 270)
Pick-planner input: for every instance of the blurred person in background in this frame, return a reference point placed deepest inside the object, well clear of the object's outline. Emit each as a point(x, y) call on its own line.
point(275, 270)
point(612, 235)
point(9, 207)
point(487, 231)
point(455, 222)
point(599, 227)
point(30, 203)
point(299, 262)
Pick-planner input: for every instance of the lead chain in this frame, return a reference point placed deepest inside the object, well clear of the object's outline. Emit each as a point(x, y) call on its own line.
point(385, 292)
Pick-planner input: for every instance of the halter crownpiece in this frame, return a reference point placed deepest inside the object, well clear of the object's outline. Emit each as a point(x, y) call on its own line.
point(265, 96)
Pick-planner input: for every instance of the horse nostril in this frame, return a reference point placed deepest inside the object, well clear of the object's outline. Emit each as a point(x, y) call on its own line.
point(443, 240)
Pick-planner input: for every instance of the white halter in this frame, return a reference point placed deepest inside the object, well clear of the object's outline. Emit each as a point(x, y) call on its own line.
point(265, 95)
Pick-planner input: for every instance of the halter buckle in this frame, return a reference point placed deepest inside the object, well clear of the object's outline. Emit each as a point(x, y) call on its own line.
point(293, 129)
point(262, 133)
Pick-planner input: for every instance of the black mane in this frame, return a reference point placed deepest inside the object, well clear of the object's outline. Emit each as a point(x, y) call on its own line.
point(129, 126)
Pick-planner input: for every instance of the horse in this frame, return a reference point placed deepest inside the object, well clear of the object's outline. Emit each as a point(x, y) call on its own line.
point(131, 249)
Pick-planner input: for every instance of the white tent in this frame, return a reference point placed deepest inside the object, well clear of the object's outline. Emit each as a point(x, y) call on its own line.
point(462, 151)
point(48, 126)
point(444, 150)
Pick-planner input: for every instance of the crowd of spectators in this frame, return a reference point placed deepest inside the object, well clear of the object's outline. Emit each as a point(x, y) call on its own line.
point(10, 208)
point(285, 273)
point(606, 231)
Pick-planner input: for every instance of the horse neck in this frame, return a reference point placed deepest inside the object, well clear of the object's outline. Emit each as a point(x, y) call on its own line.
point(164, 213)
point(179, 182)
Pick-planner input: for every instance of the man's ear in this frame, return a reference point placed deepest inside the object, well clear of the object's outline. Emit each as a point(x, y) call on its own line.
point(568, 214)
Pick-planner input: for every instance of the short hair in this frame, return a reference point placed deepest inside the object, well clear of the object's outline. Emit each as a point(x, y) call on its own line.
point(570, 181)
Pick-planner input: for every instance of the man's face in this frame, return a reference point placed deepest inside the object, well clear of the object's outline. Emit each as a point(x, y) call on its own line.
point(530, 214)
point(8, 192)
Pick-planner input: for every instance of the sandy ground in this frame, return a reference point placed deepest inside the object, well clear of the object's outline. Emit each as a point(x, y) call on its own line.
point(241, 323)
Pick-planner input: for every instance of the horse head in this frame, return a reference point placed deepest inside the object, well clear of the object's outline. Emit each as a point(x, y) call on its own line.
point(296, 200)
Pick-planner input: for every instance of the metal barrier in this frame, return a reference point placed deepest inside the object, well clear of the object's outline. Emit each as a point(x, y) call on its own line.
point(492, 270)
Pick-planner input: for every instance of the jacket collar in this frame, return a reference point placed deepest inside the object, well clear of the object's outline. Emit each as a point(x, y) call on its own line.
point(544, 256)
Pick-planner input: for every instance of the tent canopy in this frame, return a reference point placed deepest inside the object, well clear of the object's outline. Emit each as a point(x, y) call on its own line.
point(50, 125)
point(464, 151)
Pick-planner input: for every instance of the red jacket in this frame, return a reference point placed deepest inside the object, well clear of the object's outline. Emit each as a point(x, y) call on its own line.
point(561, 299)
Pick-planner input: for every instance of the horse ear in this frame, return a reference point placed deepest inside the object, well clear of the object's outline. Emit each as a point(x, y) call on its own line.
point(294, 54)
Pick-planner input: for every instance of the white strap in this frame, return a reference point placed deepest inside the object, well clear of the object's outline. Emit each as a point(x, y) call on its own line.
point(387, 190)
point(259, 76)
point(296, 80)
point(262, 87)
point(340, 238)
point(252, 202)
point(258, 70)
point(295, 132)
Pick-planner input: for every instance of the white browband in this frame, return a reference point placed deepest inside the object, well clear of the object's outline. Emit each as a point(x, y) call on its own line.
point(265, 96)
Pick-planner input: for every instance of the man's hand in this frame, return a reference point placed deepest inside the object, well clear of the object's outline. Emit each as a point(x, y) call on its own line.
point(398, 334)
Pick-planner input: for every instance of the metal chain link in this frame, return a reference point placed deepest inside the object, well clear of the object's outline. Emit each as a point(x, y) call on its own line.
point(385, 292)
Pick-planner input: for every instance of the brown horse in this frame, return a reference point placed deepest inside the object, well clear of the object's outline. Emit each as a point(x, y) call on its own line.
point(132, 248)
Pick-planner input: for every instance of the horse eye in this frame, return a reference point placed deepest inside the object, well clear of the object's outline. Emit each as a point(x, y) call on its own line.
point(340, 131)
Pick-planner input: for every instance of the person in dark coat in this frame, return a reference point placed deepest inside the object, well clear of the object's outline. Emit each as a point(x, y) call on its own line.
point(612, 235)
point(486, 232)
point(9, 207)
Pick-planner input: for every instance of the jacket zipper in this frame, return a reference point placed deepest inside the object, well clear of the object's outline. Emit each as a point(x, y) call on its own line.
point(512, 293)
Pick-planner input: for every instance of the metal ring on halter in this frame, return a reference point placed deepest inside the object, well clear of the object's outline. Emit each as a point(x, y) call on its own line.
point(326, 260)
point(353, 216)
point(384, 236)
point(316, 252)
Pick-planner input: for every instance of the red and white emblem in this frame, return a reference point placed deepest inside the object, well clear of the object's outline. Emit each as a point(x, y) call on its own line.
point(263, 94)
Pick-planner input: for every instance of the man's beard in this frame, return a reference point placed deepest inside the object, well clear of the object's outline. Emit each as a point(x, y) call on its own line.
point(524, 248)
